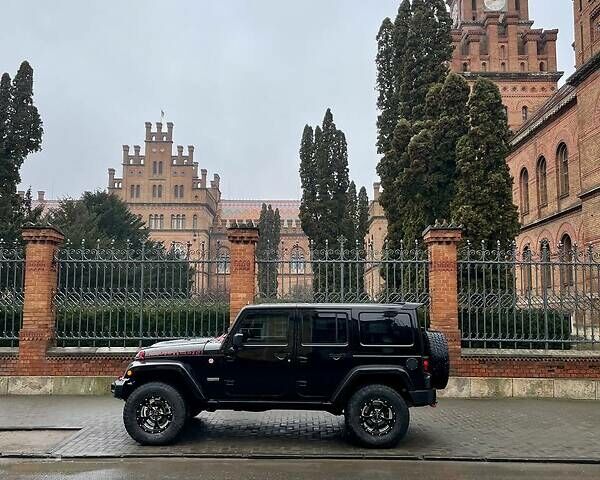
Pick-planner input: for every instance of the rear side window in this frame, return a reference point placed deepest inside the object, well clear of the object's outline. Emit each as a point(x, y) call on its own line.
point(324, 328)
point(377, 329)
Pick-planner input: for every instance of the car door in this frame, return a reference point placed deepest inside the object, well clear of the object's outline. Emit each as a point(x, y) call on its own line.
point(323, 357)
point(260, 368)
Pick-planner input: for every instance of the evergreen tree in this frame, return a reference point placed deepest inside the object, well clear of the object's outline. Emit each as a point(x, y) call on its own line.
point(20, 134)
point(362, 216)
point(100, 217)
point(424, 57)
point(308, 181)
point(409, 175)
point(269, 225)
point(483, 201)
point(350, 218)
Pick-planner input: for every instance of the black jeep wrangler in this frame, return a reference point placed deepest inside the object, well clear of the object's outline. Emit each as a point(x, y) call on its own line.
point(369, 362)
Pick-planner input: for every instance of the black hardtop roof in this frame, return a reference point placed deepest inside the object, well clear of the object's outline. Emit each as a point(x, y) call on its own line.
point(370, 306)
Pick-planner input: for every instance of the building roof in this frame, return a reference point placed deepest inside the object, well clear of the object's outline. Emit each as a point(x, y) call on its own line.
point(250, 209)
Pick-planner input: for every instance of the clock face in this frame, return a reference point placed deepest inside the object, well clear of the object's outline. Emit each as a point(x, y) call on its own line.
point(495, 5)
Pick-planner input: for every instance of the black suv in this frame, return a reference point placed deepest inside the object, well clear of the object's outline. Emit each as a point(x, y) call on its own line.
point(370, 362)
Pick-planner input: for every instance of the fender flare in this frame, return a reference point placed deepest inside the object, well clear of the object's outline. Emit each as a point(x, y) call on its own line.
point(368, 370)
point(178, 368)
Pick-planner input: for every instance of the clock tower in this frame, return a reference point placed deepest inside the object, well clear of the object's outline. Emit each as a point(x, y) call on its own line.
point(495, 39)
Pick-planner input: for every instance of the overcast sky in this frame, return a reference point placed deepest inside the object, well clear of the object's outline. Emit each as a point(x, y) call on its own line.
point(239, 79)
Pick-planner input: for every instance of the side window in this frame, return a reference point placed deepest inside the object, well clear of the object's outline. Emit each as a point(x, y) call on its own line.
point(265, 328)
point(324, 328)
point(377, 329)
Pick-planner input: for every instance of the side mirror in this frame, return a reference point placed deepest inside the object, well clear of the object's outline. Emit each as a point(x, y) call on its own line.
point(238, 340)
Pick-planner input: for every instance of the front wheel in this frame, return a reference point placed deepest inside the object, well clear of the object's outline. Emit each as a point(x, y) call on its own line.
point(154, 414)
point(377, 416)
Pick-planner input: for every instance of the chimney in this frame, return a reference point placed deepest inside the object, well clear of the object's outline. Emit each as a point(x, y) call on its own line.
point(191, 152)
point(136, 152)
point(125, 154)
point(180, 151)
point(158, 127)
point(111, 177)
point(41, 195)
point(148, 131)
point(169, 131)
point(376, 191)
point(216, 181)
point(203, 172)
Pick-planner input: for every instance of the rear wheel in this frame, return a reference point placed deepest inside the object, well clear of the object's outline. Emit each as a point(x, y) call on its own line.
point(154, 414)
point(377, 416)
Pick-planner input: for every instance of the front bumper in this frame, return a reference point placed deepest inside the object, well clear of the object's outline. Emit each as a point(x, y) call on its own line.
point(422, 398)
point(121, 387)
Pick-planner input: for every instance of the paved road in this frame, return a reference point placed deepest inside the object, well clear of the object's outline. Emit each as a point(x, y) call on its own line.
point(518, 430)
point(207, 469)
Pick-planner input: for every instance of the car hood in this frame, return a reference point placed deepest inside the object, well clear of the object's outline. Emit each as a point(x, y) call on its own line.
point(182, 347)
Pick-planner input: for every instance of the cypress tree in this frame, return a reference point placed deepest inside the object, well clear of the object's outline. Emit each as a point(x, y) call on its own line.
point(269, 226)
point(350, 218)
point(362, 216)
point(20, 134)
point(308, 182)
point(483, 201)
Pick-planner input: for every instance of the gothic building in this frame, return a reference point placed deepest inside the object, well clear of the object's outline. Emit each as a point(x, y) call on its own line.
point(495, 39)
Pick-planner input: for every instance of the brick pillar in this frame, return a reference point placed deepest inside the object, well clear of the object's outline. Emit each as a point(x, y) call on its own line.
point(242, 280)
point(442, 241)
point(37, 333)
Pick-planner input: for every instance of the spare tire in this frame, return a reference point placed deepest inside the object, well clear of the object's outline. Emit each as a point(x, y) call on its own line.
point(436, 347)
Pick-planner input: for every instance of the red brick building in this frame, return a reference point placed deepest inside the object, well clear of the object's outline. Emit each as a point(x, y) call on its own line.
point(556, 154)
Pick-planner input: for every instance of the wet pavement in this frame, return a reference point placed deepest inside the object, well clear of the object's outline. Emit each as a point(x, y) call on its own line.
point(214, 469)
point(484, 430)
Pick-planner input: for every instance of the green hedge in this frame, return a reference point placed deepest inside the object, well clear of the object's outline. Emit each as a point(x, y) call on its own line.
point(515, 328)
point(130, 325)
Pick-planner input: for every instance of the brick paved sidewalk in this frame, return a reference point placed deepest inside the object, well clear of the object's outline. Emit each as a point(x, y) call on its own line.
point(469, 429)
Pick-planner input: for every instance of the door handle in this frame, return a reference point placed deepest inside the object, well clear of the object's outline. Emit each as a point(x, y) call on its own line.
point(282, 356)
point(336, 356)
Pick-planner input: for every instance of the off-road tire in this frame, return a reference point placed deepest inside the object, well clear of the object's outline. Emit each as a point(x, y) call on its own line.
point(178, 415)
point(436, 347)
point(360, 401)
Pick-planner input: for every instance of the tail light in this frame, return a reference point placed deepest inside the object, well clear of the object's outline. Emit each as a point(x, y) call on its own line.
point(426, 365)
point(140, 355)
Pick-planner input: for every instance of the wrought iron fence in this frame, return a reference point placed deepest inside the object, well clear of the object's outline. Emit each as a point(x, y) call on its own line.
point(344, 273)
point(12, 278)
point(135, 296)
point(532, 300)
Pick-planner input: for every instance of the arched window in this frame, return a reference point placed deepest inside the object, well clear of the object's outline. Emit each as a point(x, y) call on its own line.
point(195, 222)
point(525, 113)
point(223, 261)
point(503, 67)
point(297, 261)
point(542, 67)
point(546, 265)
point(502, 51)
point(522, 66)
point(173, 222)
point(524, 183)
point(562, 157)
point(154, 168)
point(566, 260)
point(180, 191)
point(542, 182)
point(132, 191)
point(153, 191)
point(518, 5)
point(160, 168)
point(161, 222)
point(526, 269)
point(465, 67)
point(182, 223)
point(176, 191)
point(160, 191)
point(484, 66)
point(137, 191)
point(151, 222)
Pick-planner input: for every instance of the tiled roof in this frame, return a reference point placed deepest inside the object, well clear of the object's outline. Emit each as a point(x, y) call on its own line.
point(250, 209)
